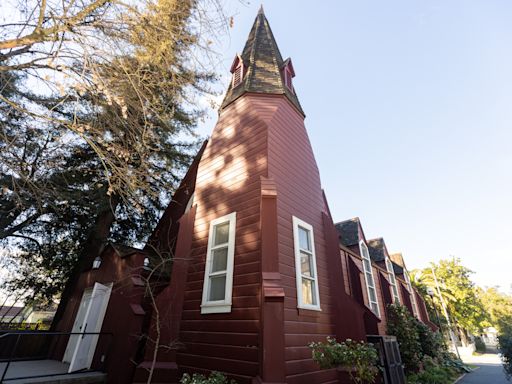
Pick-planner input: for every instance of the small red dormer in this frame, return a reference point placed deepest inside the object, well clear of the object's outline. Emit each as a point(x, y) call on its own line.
point(237, 69)
point(288, 73)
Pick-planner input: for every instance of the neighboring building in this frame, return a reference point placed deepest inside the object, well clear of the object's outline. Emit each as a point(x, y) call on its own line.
point(259, 270)
point(382, 277)
point(11, 314)
point(490, 336)
point(38, 314)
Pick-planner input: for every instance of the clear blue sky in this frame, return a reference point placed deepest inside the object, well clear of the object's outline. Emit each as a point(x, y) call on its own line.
point(409, 111)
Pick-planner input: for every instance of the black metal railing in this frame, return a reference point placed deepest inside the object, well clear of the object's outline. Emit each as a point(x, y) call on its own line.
point(16, 346)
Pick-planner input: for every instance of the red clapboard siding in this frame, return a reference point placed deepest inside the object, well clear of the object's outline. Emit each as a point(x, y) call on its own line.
point(257, 135)
point(228, 180)
point(292, 165)
point(346, 272)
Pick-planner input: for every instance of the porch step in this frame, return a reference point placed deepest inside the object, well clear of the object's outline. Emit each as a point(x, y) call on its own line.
point(75, 378)
point(46, 371)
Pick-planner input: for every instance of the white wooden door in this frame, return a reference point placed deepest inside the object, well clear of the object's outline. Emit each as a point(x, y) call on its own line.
point(93, 320)
point(77, 325)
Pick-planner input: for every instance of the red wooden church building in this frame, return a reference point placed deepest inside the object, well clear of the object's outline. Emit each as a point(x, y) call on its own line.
point(259, 269)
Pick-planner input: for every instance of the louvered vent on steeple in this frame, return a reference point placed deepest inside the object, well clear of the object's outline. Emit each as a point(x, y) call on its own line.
point(288, 73)
point(237, 69)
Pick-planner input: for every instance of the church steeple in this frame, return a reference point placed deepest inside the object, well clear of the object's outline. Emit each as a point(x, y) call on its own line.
point(260, 68)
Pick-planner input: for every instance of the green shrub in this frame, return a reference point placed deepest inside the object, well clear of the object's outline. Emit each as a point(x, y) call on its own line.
point(214, 378)
point(361, 358)
point(433, 375)
point(479, 345)
point(403, 325)
point(431, 343)
point(505, 346)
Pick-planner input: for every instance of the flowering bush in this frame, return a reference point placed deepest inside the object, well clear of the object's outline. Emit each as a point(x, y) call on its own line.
point(359, 357)
point(214, 378)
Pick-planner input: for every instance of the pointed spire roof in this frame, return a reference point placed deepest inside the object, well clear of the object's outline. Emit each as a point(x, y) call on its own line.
point(263, 66)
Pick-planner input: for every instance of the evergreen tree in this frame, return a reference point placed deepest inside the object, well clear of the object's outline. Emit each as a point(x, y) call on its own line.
point(96, 156)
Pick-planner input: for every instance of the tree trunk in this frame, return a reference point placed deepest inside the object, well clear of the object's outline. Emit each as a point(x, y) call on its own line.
point(92, 247)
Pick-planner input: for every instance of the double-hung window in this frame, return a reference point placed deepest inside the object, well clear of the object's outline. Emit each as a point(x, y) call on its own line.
point(413, 296)
point(368, 276)
point(305, 265)
point(218, 273)
point(392, 280)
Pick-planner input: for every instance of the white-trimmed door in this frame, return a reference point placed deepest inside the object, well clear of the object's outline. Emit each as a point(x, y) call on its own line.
point(83, 346)
point(77, 326)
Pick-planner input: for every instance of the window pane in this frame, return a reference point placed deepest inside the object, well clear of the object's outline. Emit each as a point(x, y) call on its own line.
point(217, 288)
point(304, 240)
point(364, 251)
point(308, 289)
point(221, 233)
point(219, 259)
point(369, 279)
point(305, 264)
point(367, 265)
point(375, 308)
point(372, 294)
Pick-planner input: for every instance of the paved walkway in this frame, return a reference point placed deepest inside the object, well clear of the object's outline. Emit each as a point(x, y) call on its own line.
point(490, 370)
point(46, 371)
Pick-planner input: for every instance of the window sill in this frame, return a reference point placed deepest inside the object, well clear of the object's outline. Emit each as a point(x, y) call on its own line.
point(303, 310)
point(215, 308)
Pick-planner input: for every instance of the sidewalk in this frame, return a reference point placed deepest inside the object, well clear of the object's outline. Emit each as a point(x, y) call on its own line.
point(489, 371)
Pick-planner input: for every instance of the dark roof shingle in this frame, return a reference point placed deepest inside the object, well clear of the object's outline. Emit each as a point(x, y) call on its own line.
point(377, 249)
point(348, 231)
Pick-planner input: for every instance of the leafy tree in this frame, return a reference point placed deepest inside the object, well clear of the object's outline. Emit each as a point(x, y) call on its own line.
point(458, 293)
point(499, 308)
point(96, 153)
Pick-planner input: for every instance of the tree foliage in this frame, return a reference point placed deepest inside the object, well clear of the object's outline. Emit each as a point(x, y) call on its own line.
point(97, 109)
point(457, 290)
point(499, 309)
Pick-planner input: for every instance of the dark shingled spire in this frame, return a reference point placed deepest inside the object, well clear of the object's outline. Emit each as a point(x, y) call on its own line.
point(263, 66)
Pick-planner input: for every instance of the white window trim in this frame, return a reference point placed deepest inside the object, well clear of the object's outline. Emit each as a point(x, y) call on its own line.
point(413, 296)
point(220, 306)
point(361, 245)
point(392, 279)
point(189, 203)
point(298, 275)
